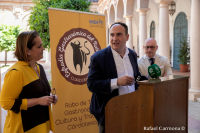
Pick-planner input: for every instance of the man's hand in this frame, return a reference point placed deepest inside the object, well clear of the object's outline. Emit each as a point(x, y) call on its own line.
point(125, 80)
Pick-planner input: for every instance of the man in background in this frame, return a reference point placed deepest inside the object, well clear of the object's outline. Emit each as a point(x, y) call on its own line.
point(151, 57)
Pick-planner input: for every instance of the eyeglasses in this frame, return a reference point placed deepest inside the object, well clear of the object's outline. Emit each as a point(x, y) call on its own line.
point(151, 47)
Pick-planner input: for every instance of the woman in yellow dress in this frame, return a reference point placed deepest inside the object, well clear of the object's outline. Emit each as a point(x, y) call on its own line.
point(26, 91)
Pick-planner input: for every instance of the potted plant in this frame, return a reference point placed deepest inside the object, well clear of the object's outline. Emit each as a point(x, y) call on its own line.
point(184, 55)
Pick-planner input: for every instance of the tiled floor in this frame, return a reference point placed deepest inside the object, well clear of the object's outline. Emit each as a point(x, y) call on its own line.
point(193, 111)
point(194, 117)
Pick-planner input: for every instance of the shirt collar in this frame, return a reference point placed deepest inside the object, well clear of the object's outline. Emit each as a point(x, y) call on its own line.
point(116, 54)
point(149, 58)
point(23, 63)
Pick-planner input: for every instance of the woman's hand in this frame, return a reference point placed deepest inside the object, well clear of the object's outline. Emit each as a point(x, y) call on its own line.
point(45, 100)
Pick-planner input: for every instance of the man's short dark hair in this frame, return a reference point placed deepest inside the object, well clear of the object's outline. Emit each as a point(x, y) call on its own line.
point(122, 24)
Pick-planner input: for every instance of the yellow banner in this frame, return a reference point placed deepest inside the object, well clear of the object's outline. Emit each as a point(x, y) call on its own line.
point(74, 37)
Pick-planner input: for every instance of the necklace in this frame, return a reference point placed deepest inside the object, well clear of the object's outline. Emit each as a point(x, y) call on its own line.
point(36, 70)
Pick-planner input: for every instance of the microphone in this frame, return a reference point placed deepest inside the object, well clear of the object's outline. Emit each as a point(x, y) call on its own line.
point(154, 71)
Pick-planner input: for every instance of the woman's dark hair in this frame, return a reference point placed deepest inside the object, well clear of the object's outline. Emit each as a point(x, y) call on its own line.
point(24, 40)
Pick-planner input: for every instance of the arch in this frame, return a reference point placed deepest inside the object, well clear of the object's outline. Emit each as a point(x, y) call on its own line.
point(152, 30)
point(120, 10)
point(111, 14)
point(1, 15)
point(180, 30)
point(129, 7)
point(25, 19)
point(183, 6)
point(135, 15)
point(153, 15)
point(106, 16)
point(135, 27)
point(8, 18)
point(142, 3)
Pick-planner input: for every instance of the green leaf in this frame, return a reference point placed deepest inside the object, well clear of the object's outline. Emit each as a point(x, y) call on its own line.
point(39, 19)
point(8, 36)
point(184, 51)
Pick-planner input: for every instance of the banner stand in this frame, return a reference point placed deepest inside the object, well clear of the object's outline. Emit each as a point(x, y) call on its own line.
point(74, 37)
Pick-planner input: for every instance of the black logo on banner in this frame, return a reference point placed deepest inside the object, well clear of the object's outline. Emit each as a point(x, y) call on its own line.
point(79, 56)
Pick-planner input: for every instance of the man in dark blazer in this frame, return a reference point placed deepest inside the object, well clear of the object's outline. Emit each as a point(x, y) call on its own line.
point(112, 72)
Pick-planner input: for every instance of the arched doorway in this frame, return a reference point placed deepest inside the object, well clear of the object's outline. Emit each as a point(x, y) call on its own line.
point(152, 30)
point(180, 30)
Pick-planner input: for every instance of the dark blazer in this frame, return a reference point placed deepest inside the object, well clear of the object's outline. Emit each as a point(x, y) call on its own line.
point(102, 69)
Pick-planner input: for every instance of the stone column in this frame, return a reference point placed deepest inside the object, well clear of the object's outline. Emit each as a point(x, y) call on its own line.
point(171, 40)
point(189, 26)
point(107, 34)
point(48, 56)
point(157, 32)
point(164, 46)
point(194, 91)
point(148, 30)
point(138, 42)
point(142, 29)
point(157, 35)
point(129, 43)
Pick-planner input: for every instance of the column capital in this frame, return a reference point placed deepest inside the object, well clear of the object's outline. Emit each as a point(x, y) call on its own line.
point(118, 20)
point(163, 1)
point(18, 12)
point(142, 10)
point(128, 16)
point(109, 24)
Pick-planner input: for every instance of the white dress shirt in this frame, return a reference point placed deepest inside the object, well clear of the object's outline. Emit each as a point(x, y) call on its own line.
point(124, 68)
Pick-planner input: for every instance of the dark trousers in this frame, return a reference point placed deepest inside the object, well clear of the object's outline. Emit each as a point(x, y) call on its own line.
point(101, 129)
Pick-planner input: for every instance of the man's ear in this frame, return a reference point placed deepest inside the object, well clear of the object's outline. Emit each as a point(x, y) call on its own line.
point(156, 48)
point(127, 36)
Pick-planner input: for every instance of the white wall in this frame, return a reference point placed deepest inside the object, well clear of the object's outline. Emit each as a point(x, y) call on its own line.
point(10, 56)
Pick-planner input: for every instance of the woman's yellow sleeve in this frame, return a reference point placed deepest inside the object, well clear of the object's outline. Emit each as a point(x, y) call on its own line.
point(12, 87)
